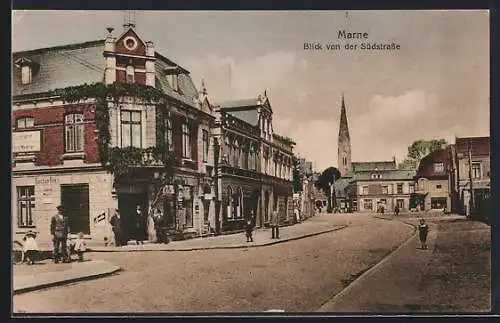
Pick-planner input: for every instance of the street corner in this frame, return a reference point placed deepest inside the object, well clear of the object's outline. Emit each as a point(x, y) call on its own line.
point(47, 275)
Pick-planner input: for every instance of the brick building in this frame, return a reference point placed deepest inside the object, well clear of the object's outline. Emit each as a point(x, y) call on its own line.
point(254, 165)
point(56, 158)
point(432, 181)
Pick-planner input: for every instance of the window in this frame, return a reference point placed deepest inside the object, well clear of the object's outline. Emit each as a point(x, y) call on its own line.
point(25, 206)
point(236, 154)
point(25, 122)
point(365, 190)
point(186, 142)
point(412, 188)
point(438, 167)
point(230, 203)
point(26, 74)
point(205, 145)
point(368, 204)
point(438, 186)
point(476, 170)
point(168, 134)
point(344, 160)
point(130, 74)
point(131, 129)
point(73, 132)
point(400, 188)
point(385, 189)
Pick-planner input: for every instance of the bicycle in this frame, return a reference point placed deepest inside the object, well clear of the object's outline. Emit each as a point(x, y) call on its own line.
point(17, 253)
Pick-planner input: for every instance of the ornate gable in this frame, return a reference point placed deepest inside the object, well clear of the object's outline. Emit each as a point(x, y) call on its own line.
point(130, 43)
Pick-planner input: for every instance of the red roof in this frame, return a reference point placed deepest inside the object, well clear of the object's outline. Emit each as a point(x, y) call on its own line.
point(426, 166)
point(479, 145)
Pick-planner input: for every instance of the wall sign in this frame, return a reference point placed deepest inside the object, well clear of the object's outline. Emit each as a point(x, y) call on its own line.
point(26, 141)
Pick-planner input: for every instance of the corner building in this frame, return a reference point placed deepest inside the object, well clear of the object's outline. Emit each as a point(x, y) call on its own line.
point(54, 145)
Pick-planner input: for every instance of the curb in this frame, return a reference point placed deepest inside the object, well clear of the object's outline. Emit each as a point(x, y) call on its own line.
point(66, 281)
point(227, 247)
point(323, 308)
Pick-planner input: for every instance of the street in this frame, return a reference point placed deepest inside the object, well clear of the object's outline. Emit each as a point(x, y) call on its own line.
point(294, 276)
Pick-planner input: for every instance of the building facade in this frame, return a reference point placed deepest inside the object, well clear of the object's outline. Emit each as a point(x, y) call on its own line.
point(470, 172)
point(432, 181)
point(380, 187)
point(56, 144)
point(254, 165)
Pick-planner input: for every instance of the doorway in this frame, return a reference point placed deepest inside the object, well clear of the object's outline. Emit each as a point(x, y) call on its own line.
point(127, 203)
point(75, 204)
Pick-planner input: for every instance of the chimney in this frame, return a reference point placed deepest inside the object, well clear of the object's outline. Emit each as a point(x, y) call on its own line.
point(150, 64)
point(109, 56)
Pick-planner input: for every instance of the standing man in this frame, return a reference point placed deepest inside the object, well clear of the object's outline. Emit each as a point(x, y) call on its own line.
point(59, 230)
point(140, 226)
point(275, 224)
point(116, 225)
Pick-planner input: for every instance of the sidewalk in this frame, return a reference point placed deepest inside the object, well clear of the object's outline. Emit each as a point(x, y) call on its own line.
point(45, 274)
point(261, 237)
point(415, 280)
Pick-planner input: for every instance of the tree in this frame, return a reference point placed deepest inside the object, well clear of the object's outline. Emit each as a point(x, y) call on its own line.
point(325, 183)
point(418, 150)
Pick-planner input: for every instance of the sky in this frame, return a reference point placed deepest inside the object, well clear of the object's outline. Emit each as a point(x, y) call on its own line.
point(435, 86)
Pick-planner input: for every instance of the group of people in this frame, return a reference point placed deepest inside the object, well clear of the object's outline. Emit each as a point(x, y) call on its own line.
point(59, 230)
point(274, 224)
point(142, 227)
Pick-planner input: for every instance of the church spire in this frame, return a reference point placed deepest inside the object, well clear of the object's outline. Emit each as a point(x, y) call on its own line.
point(344, 142)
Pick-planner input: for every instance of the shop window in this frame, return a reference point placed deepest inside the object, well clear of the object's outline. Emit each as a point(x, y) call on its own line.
point(131, 129)
point(188, 205)
point(186, 141)
point(368, 204)
point(25, 122)
point(25, 206)
point(73, 132)
point(230, 203)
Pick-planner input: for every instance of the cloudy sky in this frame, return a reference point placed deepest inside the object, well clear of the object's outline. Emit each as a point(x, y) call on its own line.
point(435, 86)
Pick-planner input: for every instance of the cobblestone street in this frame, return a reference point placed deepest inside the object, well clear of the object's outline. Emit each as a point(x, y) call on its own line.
point(293, 276)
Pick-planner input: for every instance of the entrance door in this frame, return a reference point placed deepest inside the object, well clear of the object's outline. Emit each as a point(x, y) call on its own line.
point(400, 203)
point(127, 203)
point(75, 204)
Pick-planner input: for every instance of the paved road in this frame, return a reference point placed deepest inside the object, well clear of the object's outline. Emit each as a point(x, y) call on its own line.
point(296, 276)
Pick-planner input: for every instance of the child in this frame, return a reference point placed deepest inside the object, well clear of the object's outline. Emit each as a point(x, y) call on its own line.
point(30, 247)
point(423, 229)
point(80, 246)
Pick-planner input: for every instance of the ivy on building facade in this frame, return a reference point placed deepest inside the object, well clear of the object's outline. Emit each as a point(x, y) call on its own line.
point(116, 160)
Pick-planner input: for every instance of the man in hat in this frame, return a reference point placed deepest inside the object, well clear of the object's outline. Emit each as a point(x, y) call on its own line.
point(116, 225)
point(59, 230)
point(275, 224)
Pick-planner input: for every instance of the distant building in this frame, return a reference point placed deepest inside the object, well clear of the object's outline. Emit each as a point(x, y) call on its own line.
point(380, 186)
point(304, 197)
point(432, 181)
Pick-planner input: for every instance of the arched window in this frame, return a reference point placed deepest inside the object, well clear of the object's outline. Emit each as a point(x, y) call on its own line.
point(130, 74)
point(239, 203)
point(73, 137)
point(236, 162)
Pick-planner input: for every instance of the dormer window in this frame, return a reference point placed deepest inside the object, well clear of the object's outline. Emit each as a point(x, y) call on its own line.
point(438, 167)
point(130, 74)
point(26, 74)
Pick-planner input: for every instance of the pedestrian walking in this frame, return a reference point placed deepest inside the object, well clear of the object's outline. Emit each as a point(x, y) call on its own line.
point(249, 226)
point(275, 224)
point(116, 226)
point(423, 230)
point(59, 229)
point(396, 210)
point(30, 247)
point(80, 246)
point(140, 228)
point(297, 214)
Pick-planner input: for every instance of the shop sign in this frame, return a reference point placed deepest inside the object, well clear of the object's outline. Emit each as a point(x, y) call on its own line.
point(26, 141)
point(46, 180)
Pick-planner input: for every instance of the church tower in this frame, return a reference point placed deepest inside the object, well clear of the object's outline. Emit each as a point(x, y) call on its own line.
point(344, 143)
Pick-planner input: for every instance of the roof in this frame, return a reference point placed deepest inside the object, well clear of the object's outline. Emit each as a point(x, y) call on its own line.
point(426, 166)
point(373, 165)
point(238, 103)
point(61, 67)
point(396, 174)
point(479, 145)
point(77, 64)
point(249, 116)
